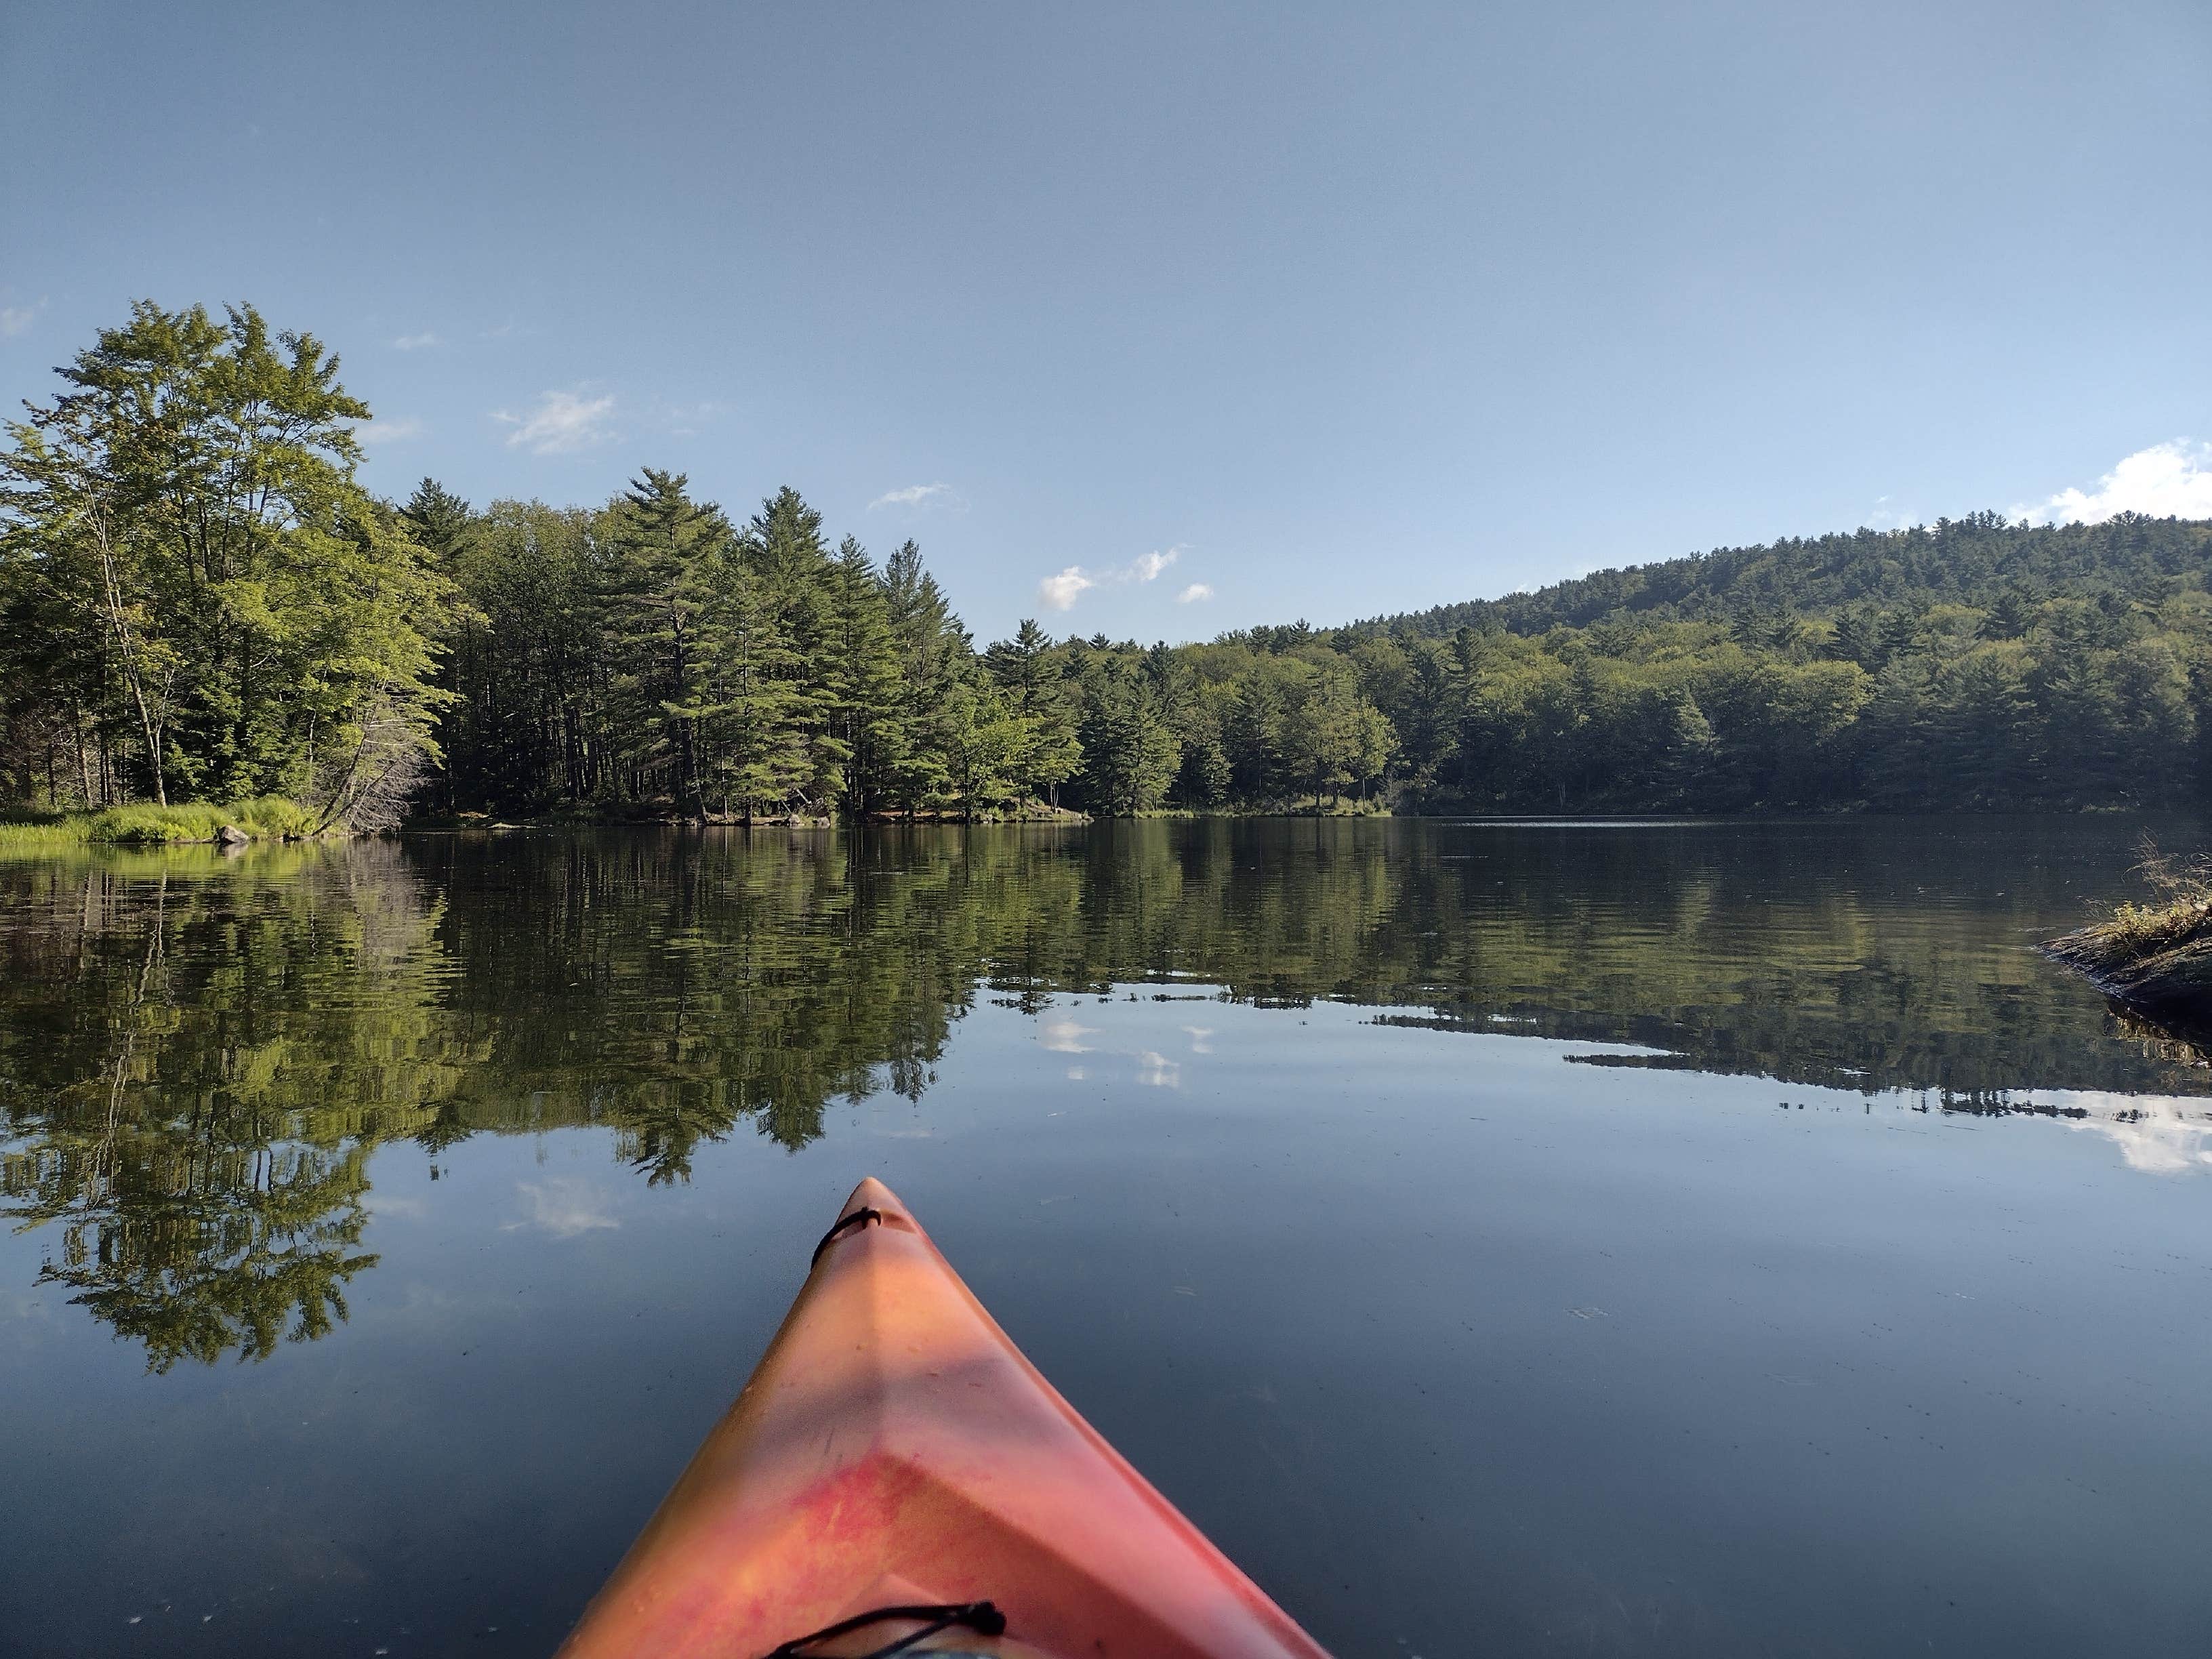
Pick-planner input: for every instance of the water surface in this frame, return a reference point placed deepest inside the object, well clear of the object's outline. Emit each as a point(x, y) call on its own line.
point(1675, 1238)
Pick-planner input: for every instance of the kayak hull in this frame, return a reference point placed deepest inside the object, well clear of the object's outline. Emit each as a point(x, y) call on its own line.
point(895, 1448)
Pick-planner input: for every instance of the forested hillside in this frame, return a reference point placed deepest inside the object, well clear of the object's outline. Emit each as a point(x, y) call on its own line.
point(199, 601)
point(1967, 664)
point(1980, 560)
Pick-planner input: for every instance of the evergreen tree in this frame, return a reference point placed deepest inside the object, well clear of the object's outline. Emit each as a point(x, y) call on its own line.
point(759, 761)
point(442, 524)
point(1034, 682)
point(865, 683)
point(1130, 755)
point(661, 630)
point(439, 521)
point(785, 548)
point(933, 651)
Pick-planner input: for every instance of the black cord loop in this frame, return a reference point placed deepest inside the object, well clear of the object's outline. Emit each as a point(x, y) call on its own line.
point(981, 1617)
point(860, 1218)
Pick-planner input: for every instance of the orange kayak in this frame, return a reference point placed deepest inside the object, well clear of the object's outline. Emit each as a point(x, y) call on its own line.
point(897, 1478)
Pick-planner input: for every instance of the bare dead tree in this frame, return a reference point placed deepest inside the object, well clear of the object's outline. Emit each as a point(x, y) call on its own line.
point(368, 783)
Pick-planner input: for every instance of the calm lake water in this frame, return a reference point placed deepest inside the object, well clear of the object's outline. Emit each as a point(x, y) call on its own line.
point(1534, 1238)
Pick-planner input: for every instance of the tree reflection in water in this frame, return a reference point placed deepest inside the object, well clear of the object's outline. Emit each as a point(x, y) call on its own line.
point(199, 1056)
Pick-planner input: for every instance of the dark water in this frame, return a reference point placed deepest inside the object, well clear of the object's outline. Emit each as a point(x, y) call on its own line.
point(1535, 1239)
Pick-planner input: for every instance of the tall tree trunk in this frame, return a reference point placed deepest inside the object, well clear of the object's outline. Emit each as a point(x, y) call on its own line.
point(692, 788)
point(118, 621)
point(83, 758)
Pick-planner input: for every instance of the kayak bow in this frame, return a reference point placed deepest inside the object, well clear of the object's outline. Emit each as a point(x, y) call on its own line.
point(896, 1472)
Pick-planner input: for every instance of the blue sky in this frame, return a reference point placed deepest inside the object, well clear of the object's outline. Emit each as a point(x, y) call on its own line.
point(1161, 320)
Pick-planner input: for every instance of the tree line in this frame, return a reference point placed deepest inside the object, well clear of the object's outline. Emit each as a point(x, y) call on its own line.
point(655, 654)
point(198, 601)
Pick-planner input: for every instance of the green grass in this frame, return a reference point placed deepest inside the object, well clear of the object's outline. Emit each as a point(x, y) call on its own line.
point(2160, 951)
point(143, 825)
point(43, 834)
point(2137, 932)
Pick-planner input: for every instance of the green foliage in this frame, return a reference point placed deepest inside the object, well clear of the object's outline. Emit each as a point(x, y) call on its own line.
point(197, 602)
point(270, 817)
point(861, 680)
point(2159, 955)
point(45, 835)
point(143, 824)
point(1033, 680)
point(200, 1057)
point(1980, 560)
point(201, 602)
point(531, 719)
point(661, 610)
point(1970, 666)
point(1130, 752)
point(649, 656)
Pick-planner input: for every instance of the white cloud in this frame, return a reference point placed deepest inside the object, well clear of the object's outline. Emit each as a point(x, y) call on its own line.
point(2157, 1134)
point(2167, 480)
point(564, 1207)
point(1060, 593)
point(416, 341)
point(919, 495)
point(1202, 1039)
point(1064, 1037)
point(373, 434)
point(14, 320)
point(563, 421)
point(1156, 1071)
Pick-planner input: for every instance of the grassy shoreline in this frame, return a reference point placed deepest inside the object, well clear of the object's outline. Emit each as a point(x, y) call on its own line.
point(2156, 956)
point(271, 817)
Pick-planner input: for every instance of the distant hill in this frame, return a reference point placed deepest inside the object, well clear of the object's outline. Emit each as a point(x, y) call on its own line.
point(1977, 560)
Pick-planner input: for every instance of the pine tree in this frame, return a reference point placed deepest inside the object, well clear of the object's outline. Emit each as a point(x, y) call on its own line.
point(760, 761)
point(1034, 682)
point(439, 520)
point(864, 679)
point(1130, 754)
point(443, 526)
point(933, 649)
point(659, 627)
point(784, 547)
